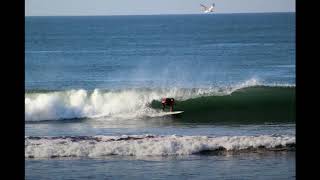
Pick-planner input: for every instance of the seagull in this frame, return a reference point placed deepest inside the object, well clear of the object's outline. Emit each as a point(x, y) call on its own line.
point(206, 9)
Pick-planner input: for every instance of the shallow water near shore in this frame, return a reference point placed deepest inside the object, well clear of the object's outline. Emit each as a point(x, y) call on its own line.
point(267, 165)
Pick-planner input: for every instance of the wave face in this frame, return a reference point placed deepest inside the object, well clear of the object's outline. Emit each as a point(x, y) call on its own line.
point(149, 145)
point(247, 101)
point(253, 104)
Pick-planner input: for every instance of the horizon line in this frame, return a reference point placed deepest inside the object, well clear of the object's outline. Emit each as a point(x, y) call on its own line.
point(159, 14)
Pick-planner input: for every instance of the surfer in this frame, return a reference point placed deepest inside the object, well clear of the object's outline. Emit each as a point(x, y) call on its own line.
point(169, 102)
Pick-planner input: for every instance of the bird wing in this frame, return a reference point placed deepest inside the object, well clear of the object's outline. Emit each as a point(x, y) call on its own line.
point(205, 7)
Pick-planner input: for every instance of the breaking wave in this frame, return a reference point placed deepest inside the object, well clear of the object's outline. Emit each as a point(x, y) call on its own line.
point(207, 103)
point(149, 145)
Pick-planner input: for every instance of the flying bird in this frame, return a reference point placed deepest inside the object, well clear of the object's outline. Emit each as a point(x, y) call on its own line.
point(207, 9)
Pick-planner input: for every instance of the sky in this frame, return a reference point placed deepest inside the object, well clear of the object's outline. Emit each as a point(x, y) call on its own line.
point(148, 7)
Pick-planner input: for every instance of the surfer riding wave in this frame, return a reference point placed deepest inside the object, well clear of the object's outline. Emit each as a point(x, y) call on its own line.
point(169, 102)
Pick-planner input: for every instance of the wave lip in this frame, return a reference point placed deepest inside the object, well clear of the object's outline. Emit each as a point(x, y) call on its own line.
point(147, 145)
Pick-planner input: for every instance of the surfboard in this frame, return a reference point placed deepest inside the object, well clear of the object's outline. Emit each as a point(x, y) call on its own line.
point(166, 113)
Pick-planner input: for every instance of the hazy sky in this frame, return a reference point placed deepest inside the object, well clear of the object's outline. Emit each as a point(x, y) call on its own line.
point(137, 7)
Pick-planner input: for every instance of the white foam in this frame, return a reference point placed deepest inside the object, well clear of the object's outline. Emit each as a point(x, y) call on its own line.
point(80, 103)
point(146, 145)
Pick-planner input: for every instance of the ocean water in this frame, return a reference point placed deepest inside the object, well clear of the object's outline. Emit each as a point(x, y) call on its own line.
point(94, 85)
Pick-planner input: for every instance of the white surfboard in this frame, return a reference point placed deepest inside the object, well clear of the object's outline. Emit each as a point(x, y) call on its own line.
point(166, 113)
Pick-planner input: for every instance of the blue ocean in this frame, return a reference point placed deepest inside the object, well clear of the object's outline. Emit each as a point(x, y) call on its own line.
point(93, 89)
